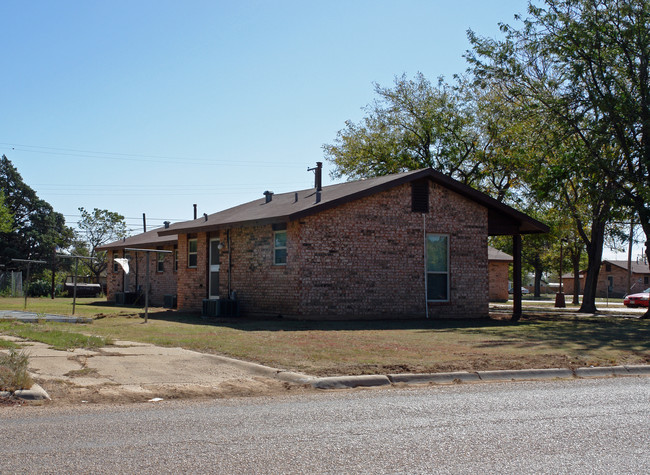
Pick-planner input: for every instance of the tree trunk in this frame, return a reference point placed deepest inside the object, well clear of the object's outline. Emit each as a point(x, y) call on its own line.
point(594, 259)
point(647, 254)
point(576, 282)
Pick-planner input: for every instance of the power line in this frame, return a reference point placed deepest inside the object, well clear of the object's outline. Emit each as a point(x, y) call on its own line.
point(76, 153)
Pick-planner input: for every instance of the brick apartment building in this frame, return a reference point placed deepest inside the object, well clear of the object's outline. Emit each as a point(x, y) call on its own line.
point(125, 287)
point(498, 270)
point(407, 245)
point(612, 278)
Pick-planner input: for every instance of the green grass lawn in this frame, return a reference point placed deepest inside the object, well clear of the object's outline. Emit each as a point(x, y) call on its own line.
point(366, 347)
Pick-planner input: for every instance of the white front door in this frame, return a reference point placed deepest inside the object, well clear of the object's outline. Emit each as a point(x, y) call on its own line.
point(214, 268)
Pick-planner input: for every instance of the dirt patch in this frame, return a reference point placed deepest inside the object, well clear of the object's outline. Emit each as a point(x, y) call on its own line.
point(64, 393)
point(469, 362)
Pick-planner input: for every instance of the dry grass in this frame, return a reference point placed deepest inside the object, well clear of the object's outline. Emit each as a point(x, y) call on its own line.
point(13, 371)
point(397, 346)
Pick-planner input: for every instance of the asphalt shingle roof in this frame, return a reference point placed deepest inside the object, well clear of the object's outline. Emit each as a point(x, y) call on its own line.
point(284, 207)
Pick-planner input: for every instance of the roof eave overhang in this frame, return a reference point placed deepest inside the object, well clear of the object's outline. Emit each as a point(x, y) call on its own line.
point(502, 219)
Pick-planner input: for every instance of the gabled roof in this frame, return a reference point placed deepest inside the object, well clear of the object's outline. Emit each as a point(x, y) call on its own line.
point(497, 255)
point(637, 267)
point(148, 240)
point(502, 219)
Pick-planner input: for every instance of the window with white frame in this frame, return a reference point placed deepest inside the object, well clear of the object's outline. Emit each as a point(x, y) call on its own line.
point(192, 252)
point(116, 266)
point(437, 267)
point(280, 247)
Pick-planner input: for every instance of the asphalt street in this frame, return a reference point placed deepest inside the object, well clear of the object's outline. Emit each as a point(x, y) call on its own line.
point(577, 426)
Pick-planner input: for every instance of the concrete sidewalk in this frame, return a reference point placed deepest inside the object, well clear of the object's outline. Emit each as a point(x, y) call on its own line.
point(148, 370)
point(139, 368)
point(31, 317)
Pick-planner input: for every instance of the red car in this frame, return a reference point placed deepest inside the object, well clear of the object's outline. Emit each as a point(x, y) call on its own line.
point(638, 300)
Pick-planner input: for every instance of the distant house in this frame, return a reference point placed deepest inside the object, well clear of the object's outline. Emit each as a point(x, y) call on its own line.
point(612, 278)
point(407, 245)
point(128, 287)
point(498, 269)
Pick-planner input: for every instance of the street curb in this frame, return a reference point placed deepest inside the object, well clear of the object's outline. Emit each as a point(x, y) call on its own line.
point(35, 393)
point(283, 375)
point(378, 380)
point(638, 370)
point(526, 374)
point(600, 372)
point(346, 382)
point(438, 378)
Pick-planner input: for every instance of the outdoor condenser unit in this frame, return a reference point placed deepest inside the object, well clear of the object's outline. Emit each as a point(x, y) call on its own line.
point(220, 308)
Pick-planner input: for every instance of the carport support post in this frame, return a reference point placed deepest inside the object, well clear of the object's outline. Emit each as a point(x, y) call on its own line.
point(74, 281)
point(516, 277)
point(146, 287)
point(146, 291)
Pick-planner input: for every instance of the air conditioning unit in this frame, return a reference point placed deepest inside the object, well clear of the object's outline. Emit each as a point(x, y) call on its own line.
point(119, 298)
point(220, 308)
point(169, 301)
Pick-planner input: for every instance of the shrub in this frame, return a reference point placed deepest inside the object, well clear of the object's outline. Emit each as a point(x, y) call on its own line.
point(39, 288)
point(13, 371)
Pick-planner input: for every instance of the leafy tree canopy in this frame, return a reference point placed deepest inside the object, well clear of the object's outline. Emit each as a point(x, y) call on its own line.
point(6, 219)
point(37, 228)
point(96, 228)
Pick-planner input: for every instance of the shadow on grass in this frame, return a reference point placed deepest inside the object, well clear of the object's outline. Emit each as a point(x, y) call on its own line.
point(582, 333)
point(285, 324)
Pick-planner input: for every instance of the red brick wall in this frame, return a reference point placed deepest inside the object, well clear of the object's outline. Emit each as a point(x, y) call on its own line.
point(498, 274)
point(160, 283)
point(619, 277)
point(192, 281)
point(362, 259)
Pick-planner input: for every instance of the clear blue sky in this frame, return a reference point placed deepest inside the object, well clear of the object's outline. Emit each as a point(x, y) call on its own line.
point(150, 106)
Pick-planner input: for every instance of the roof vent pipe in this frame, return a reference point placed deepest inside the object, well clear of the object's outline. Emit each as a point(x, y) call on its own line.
point(318, 178)
point(269, 196)
point(205, 216)
point(166, 223)
point(318, 175)
point(295, 198)
point(317, 197)
point(195, 211)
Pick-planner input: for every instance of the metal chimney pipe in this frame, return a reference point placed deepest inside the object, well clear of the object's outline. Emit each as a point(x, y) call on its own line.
point(166, 223)
point(318, 176)
point(195, 211)
point(268, 195)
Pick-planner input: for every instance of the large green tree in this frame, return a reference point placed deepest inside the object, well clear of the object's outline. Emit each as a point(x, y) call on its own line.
point(98, 227)
point(594, 55)
point(37, 229)
point(6, 219)
point(460, 130)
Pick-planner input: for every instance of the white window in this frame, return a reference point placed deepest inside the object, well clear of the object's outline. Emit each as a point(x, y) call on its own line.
point(192, 252)
point(280, 248)
point(437, 268)
point(116, 266)
point(160, 266)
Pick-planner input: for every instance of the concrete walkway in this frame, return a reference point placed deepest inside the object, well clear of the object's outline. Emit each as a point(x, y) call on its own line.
point(143, 368)
point(31, 317)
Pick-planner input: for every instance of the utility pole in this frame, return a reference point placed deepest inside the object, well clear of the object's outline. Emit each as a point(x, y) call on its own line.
point(629, 257)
